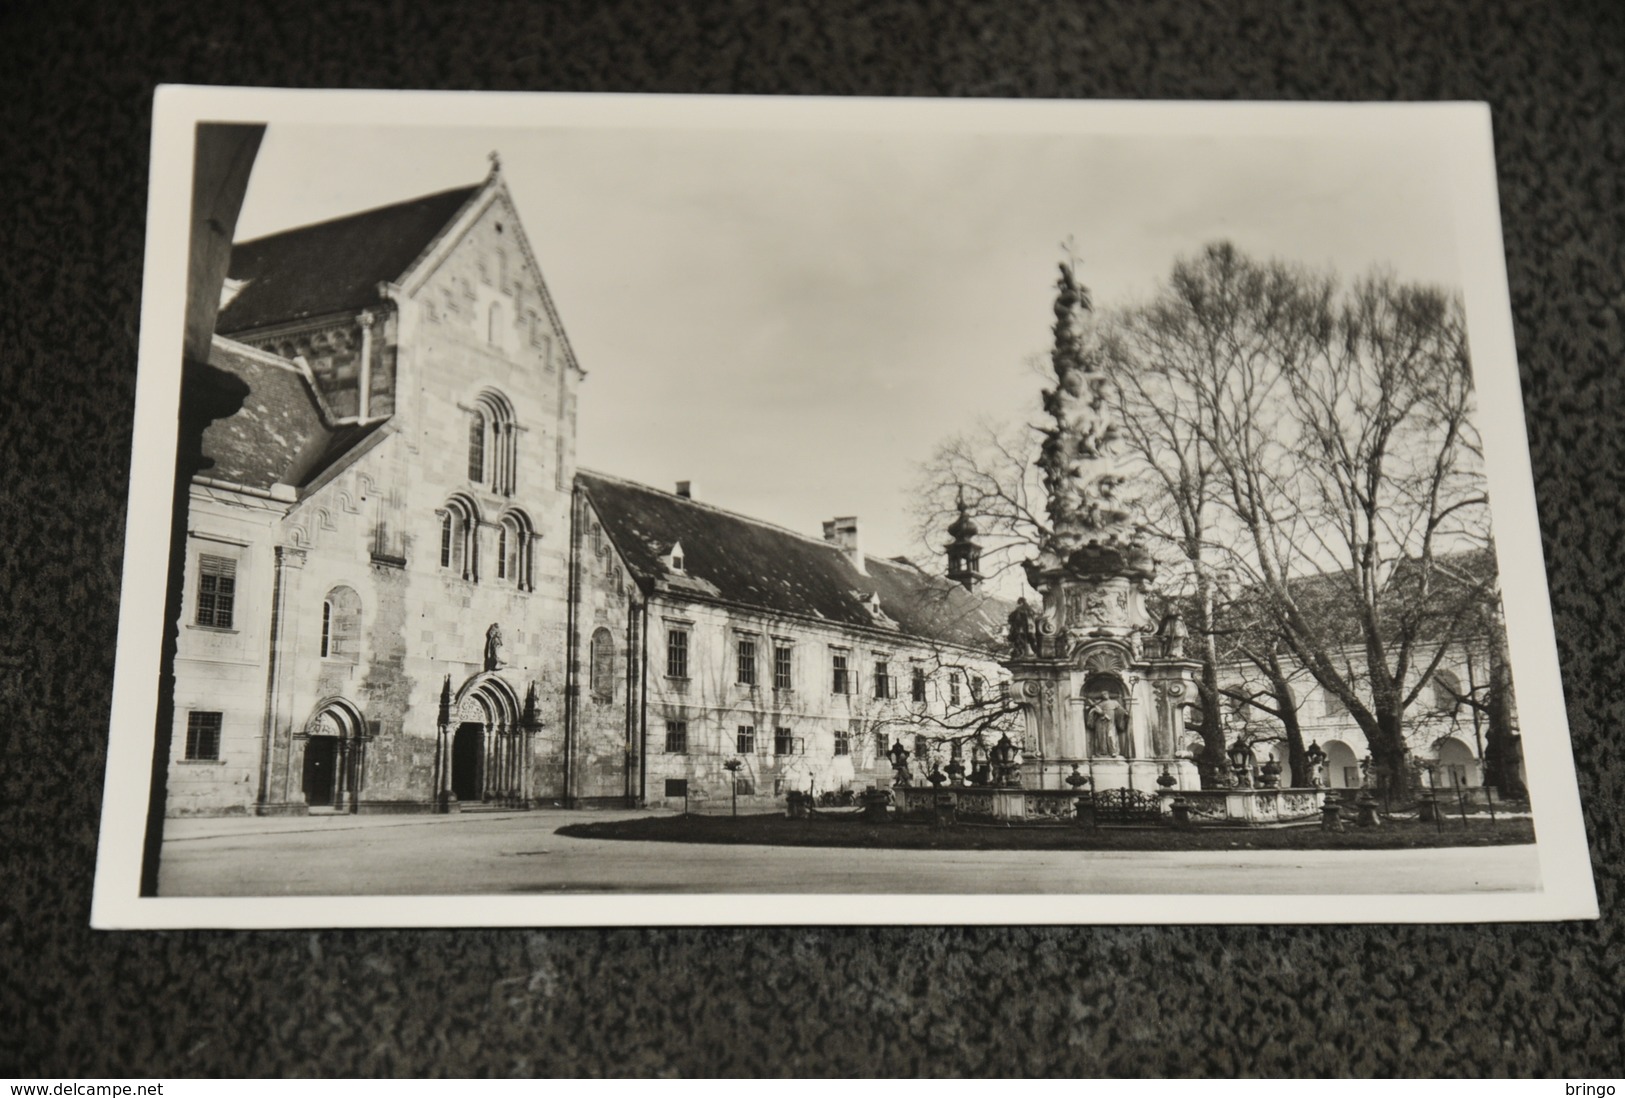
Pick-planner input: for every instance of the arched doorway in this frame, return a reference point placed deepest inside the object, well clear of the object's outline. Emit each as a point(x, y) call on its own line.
point(1342, 768)
point(334, 756)
point(468, 761)
point(486, 758)
point(1457, 765)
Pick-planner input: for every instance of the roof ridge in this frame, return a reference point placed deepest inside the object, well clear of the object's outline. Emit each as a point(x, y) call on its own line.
point(303, 226)
point(692, 502)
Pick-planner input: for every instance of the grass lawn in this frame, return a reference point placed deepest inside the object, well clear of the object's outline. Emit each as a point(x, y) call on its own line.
point(777, 830)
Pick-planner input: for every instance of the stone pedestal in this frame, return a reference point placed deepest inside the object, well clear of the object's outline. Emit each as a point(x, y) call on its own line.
point(1246, 806)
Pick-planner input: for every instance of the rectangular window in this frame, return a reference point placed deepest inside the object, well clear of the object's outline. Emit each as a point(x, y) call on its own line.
point(783, 742)
point(843, 742)
point(745, 741)
point(882, 745)
point(676, 787)
point(744, 786)
point(747, 661)
point(922, 747)
point(783, 679)
point(882, 679)
point(203, 736)
point(677, 737)
point(917, 690)
point(1334, 706)
point(677, 653)
point(953, 688)
point(841, 677)
point(216, 591)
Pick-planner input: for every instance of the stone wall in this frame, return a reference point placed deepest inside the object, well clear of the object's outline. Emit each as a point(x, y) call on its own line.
point(374, 528)
point(223, 670)
point(608, 652)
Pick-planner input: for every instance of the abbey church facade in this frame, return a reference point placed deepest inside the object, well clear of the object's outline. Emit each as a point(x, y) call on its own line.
point(401, 594)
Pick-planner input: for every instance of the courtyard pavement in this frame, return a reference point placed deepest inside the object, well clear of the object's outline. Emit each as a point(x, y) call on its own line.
point(521, 852)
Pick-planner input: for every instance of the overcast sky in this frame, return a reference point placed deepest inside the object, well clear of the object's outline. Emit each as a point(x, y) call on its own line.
point(794, 321)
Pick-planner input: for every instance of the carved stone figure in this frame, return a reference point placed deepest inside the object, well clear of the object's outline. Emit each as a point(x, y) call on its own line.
point(1108, 726)
point(899, 764)
point(493, 648)
point(1173, 633)
point(1023, 629)
point(1163, 729)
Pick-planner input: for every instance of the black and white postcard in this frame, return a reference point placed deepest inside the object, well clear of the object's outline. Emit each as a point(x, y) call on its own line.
point(572, 510)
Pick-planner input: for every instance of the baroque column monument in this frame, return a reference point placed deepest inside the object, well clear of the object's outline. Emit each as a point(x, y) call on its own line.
point(1104, 689)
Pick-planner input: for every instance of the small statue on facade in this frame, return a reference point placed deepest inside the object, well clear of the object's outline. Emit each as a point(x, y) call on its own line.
point(1023, 629)
point(493, 648)
point(1173, 633)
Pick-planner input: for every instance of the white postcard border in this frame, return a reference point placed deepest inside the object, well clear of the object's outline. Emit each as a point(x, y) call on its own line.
point(1462, 130)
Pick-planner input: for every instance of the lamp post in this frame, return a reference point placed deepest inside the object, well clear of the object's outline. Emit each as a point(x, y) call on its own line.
point(732, 767)
point(1240, 756)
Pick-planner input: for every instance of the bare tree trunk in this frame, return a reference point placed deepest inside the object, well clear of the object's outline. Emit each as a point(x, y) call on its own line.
point(1211, 764)
point(1287, 711)
point(1502, 750)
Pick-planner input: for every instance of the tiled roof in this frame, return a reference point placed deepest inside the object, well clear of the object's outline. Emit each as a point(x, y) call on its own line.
point(743, 561)
point(1329, 603)
point(333, 265)
point(279, 434)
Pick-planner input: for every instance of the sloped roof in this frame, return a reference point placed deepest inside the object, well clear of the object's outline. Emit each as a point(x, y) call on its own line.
point(744, 561)
point(334, 265)
point(280, 434)
point(1329, 602)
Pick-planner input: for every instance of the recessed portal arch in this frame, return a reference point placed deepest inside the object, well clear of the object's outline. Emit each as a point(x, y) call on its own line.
point(334, 755)
point(489, 744)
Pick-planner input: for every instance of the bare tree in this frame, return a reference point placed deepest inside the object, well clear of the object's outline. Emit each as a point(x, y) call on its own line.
point(993, 469)
point(1340, 426)
point(1191, 369)
point(1307, 446)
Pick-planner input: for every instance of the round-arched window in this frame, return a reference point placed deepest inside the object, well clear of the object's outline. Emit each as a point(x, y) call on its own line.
point(341, 625)
point(602, 665)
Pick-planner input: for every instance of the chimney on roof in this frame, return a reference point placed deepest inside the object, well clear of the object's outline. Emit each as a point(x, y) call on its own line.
point(843, 534)
point(685, 488)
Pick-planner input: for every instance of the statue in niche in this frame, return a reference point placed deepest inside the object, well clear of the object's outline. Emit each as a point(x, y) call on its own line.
point(1108, 725)
point(493, 648)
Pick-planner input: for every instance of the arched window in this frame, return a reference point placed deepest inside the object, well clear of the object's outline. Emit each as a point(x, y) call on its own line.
point(602, 665)
point(476, 448)
point(514, 537)
point(341, 625)
point(493, 458)
point(1447, 692)
point(459, 541)
point(493, 323)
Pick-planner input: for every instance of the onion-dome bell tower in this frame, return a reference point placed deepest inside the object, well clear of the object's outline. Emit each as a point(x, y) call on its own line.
point(964, 555)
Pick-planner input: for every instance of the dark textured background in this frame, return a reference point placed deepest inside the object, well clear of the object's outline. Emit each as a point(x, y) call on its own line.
point(75, 93)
